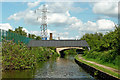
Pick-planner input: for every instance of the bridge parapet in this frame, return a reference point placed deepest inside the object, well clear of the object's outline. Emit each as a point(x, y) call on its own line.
point(58, 43)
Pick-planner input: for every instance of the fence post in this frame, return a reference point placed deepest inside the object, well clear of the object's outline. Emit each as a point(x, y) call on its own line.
point(2, 34)
point(6, 35)
point(9, 35)
point(15, 37)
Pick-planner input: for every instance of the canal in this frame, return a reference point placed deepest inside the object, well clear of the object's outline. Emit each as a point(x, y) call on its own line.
point(53, 68)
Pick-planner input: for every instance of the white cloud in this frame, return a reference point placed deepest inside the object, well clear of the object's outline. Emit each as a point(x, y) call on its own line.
point(37, 33)
point(63, 35)
point(50, 31)
point(89, 27)
point(28, 16)
point(33, 4)
point(58, 15)
point(5, 26)
point(24, 29)
point(66, 38)
point(106, 8)
point(16, 16)
point(75, 25)
point(58, 7)
point(99, 25)
point(57, 18)
point(105, 24)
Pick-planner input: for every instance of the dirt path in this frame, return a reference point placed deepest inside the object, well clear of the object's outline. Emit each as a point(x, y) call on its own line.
point(106, 67)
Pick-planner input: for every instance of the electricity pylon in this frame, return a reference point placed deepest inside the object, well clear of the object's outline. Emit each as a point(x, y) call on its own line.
point(43, 26)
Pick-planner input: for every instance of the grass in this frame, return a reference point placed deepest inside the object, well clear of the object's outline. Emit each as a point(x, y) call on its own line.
point(100, 62)
point(99, 68)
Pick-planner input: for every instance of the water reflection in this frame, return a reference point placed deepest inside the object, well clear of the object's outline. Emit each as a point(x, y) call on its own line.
point(54, 68)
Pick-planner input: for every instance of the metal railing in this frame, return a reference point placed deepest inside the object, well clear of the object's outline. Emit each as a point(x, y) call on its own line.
point(7, 35)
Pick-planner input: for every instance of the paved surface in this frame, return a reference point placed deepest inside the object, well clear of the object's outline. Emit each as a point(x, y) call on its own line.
point(106, 67)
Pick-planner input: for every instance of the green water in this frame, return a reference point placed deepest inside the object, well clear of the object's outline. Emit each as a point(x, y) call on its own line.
point(53, 68)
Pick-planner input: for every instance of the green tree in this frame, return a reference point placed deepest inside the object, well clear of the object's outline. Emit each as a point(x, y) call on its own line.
point(33, 36)
point(20, 31)
point(10, 30)
point(38, 38)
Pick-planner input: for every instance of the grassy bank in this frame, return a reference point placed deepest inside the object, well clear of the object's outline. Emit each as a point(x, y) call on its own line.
point(108, 58)
point(105, 48)
point(19, 56)
point(103, 63)
point(98, 67)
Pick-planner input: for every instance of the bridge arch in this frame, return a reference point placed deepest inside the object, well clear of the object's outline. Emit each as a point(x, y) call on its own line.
point(59, 49)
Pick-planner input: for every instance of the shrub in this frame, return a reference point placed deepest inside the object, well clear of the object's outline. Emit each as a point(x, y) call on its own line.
point(19, 56)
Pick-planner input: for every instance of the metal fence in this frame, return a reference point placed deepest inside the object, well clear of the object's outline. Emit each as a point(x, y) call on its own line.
point(7, 35)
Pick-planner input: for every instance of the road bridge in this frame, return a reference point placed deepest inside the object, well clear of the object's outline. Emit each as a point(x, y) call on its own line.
point(59, 44)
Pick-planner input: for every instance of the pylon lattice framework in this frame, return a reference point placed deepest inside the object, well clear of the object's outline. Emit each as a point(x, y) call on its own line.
point(44, 23)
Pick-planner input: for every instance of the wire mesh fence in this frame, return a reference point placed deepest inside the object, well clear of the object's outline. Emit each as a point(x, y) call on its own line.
point(7, 35)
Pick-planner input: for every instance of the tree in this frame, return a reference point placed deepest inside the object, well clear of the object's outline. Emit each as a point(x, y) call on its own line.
point(33, 36)
point(10, 30)
point(38, 38)
point(20, 31)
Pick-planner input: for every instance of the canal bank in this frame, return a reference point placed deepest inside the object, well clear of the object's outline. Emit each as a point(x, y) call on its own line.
point(98, 71)
point(59, 68)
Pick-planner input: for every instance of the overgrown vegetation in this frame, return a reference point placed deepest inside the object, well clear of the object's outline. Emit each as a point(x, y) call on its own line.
point(19, 56)
point(105, 49)
point(70, 52)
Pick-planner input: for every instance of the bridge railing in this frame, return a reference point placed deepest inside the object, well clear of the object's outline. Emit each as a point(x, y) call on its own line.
point(7, 35)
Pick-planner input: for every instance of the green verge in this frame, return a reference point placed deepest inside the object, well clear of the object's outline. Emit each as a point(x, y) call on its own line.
point(100, 62)
point(99, 68)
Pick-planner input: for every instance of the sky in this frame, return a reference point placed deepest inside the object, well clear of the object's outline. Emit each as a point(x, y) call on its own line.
point(67, 20)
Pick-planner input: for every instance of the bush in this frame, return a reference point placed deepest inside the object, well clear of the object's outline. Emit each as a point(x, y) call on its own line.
point(19, 56)
point(105, 49)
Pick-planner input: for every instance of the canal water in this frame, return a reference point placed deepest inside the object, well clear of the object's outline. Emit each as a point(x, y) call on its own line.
point(53, 68)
